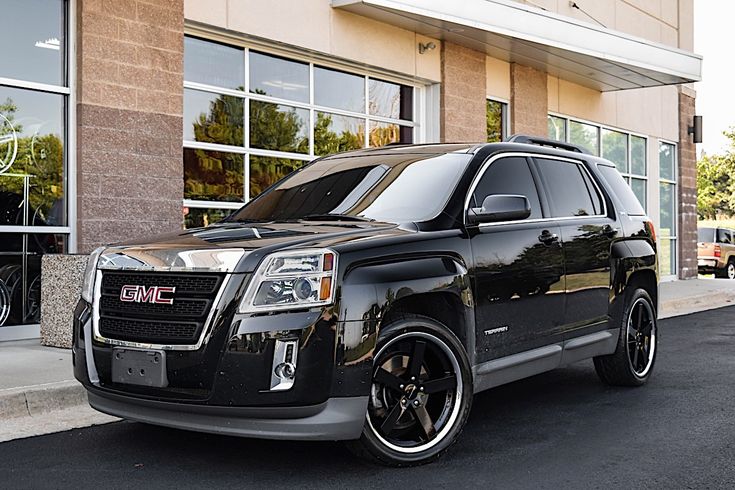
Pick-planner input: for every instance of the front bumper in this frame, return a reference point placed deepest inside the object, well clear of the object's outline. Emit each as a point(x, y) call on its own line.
point(335, 419)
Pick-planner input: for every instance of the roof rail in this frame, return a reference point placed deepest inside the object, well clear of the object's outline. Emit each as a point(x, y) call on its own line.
point(534, 140)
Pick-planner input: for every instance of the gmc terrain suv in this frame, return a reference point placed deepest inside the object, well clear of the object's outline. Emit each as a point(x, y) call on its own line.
point(367, 296)
point(716, 252)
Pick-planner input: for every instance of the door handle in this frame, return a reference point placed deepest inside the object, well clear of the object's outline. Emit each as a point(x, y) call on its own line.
point(548, 238)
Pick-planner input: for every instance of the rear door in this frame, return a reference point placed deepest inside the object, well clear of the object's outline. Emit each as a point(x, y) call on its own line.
point(518, 268)
point(587, 232)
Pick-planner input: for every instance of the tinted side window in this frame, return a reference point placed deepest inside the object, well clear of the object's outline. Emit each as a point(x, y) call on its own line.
point(509, 175)
point(723, 236)
point(706, 235)
point(620, 187)
point(569, 192)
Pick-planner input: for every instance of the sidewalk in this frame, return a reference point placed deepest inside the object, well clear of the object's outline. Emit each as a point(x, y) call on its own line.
point(36, 380)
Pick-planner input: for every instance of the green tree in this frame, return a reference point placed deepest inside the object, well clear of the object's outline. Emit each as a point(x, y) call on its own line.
point(716, 184)
point(494, 115)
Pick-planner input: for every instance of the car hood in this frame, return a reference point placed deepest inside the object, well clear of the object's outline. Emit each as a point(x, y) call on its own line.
point(235, 247)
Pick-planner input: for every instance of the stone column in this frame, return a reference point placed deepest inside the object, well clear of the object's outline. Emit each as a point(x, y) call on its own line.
point(462, 95)
point(129, 119)
point(528, 101)
point(687, 187)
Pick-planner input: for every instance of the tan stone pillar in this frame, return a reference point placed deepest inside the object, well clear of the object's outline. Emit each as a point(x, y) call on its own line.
point(528, 101)
point(129, 119)
point(462, 95)
point(687, 188)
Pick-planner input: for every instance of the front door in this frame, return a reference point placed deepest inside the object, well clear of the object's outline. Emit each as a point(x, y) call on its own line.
point(518, 269)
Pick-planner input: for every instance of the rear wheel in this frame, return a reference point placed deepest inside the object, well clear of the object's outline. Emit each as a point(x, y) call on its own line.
point(420, 396)
point(632, 362)
point(730, 270)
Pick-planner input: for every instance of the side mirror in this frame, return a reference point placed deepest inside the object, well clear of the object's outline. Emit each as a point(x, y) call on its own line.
point(500, 207)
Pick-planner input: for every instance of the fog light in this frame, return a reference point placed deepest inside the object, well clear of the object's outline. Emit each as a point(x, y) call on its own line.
point(283, 371)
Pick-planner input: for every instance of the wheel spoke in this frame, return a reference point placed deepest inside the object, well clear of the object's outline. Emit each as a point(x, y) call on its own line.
point(440, 384)
point(393, 416)
point(417, 358)
point(387, 379)
point(635, 357)
point(427, 426)
point(639, 319)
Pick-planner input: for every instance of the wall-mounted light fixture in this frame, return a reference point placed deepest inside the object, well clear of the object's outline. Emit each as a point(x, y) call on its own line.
point(696, 129)
point(424, 47)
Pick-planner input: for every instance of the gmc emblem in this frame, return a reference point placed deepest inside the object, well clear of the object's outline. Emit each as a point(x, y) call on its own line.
point(143, 294)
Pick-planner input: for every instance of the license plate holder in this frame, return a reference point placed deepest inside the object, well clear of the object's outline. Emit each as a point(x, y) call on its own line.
point(139, 367)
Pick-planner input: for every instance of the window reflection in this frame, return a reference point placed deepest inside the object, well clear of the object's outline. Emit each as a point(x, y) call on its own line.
point(278, 77)
point(382, 134)
point(279, 127)
point(390, 100)
point(32, 157)
point(32, 40)
point(266, 171)
point(637, 155)
point(213, 118)
point(213, 175)
point(584, 135)
point(197, 217)
point(557, 128)
point(495, 112)
point(338, 89)
point(334, 133)
point(20, 275)
point(666, 161)
point(213, 63)
point(615, 148)
point(639, 189)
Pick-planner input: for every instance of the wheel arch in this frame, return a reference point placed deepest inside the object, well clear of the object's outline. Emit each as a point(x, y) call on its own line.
point(634, 264)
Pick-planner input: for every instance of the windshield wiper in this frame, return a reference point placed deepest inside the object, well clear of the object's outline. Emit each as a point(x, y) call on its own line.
point(333, 217)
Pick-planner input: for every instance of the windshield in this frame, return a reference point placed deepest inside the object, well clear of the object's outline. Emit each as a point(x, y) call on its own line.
point(391, 188)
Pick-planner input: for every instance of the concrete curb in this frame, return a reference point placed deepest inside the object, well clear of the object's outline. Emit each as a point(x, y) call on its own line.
point(39, 399)
point(695, 304)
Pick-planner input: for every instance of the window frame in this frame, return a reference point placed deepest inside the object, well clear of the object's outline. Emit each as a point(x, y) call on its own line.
point(584, 171)
point(417, 124)
point(674, 238)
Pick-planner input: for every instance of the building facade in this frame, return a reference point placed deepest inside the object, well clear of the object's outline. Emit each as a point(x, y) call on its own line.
point(126, 118)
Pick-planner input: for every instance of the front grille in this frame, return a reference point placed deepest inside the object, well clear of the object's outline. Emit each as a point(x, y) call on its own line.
point(179, 323)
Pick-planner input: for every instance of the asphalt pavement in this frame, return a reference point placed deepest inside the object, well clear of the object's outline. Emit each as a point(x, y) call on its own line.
point(562, 429)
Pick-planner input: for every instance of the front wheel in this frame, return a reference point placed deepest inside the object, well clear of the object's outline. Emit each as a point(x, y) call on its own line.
point(420, 396)
point(632, 362)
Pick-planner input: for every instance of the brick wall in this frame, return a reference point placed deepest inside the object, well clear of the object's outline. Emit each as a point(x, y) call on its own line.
point(462, 95)
point(528, 101)
point(129, 119)
point(687, 233)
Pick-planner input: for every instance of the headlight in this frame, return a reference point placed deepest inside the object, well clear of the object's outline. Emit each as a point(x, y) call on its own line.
point(89, 274)
point(289, 280)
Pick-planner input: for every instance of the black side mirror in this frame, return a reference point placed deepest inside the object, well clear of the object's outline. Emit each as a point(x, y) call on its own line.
point(500, 207)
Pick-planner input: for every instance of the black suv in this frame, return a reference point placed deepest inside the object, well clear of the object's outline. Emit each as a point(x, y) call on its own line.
point(367, 296)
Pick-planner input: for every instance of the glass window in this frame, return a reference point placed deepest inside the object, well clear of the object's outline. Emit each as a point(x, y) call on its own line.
point(20, 274)
point(568, 191)
point(32, 157)
point(334, 133)
point(279, 127)
point(666, 161)
point(639, 189)
point(213, 175)
point(615, 148)
point(390, 100)
point(382, 134)
point(667, 196)
point(197, 217)
point(33, 41)
point(667, 257)
point(557, 127)
point(638, 155)
point(706, 235)
point(278, 77)
point(339, 90)
point(585, 135)
point(496, 117)
point(213, 118)
point(620, 187)
point(723, 236)
point(508, 176)
point(412, 188)
point(214, 63)
point(266, 171)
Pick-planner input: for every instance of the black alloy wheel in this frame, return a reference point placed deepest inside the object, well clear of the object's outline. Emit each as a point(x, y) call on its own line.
point(641, 337)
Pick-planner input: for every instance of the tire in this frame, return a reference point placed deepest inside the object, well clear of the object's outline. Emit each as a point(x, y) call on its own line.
point(632, 362)
point(417, 410)
point(730, 270)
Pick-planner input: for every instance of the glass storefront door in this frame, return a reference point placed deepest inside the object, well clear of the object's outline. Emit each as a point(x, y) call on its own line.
point(34, 93)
